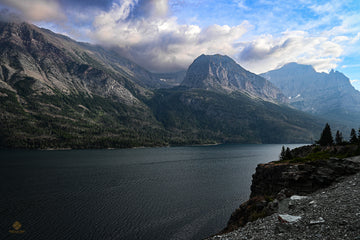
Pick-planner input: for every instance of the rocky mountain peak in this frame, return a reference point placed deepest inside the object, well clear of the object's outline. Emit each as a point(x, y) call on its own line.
point(298, 67)
point(330, 95)
point(222, 74)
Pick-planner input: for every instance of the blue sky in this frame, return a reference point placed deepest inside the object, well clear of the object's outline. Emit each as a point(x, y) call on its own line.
point(167, 35)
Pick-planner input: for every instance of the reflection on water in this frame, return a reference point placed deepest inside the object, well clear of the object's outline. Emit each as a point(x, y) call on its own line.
point(150, 193)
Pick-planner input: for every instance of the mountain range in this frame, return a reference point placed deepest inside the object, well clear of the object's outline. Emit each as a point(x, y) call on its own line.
point(59, 93)
point(328, 95)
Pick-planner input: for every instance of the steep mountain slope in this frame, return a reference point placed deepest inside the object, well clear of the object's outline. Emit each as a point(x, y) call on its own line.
point(328, 95)
point(223, 74)
point(58, 93)
point(235, 117)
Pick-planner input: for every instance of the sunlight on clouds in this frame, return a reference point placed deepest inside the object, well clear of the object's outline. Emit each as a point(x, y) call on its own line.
point(37, 10)
point(268, 52)
point(168, 44)
point(339, 39)
point(147, 32)
point(172, 46)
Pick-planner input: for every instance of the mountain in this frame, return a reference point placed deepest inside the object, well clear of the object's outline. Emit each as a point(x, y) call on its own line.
point(56, 92)
point(193, 114)
point(59, 93)
point(329, 95)
point(223, 74)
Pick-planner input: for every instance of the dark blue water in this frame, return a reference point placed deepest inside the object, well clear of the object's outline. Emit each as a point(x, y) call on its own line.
point(150, 193)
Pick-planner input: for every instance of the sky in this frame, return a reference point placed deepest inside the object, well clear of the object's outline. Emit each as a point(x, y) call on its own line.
point(167, 35)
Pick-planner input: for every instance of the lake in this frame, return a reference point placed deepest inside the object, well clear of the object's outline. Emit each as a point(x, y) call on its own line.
point(145, 193)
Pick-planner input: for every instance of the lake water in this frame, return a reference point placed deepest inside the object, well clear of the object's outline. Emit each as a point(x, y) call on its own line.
point(150, 193)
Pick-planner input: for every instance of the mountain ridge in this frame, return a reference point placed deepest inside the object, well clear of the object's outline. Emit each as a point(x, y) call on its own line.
point(329, 95)
point(58, 93)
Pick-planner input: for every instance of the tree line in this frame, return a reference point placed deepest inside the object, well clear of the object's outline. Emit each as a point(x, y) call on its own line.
point(326, 139)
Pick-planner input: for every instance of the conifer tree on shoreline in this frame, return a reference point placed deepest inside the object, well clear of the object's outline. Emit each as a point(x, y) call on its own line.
point(338, 138)
point(326, 138)
point(353, 137)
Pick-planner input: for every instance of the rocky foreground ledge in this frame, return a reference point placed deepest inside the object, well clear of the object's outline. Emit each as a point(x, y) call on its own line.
point(308, 200)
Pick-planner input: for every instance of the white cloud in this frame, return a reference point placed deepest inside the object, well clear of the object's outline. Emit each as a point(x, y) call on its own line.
point(241, 4)
point(325, 8)
point(339, 39)
point(158, 41)
point(37, 10)
point(146, 31)
point(356, 38)
point(351, 66)
point(268, 52)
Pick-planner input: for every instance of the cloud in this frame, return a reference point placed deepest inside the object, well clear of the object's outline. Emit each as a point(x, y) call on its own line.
point(37, 10)
point(267, 52)
point(156, 40)
point(241, 4)
point(356, 38)
point(148, 34)
point(146, 31)
point(351, 66)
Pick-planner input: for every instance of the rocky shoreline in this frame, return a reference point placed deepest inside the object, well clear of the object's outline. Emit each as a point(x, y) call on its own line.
point(301, 200)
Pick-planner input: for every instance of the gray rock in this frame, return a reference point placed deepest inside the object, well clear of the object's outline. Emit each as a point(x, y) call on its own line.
point(221, 73)
point(318, 93)
point(336, 216)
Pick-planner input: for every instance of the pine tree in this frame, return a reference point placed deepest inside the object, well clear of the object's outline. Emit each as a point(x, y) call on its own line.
point(326, 138)
point(338, 138)
point(288, 154)
point(285, 154)
point(353, 137)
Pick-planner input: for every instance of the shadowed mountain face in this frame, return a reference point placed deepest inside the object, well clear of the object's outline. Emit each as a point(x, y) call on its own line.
point(223, 74)
point(329, 95)
point(55, 62)
point(59, 93)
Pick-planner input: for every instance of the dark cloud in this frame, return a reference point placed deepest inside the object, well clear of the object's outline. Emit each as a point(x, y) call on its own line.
point(7, 16)
point(254, 51)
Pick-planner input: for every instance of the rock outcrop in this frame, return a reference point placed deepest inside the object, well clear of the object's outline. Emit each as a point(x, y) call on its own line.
point(299, 178)
point(275, 181)
point(330, 213)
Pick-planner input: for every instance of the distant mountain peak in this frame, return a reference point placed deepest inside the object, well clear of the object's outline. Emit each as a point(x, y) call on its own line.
point(298, 67)
point(329, 95)
point(222, 74)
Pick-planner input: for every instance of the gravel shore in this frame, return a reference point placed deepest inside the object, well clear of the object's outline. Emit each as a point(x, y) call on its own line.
point(330, 213)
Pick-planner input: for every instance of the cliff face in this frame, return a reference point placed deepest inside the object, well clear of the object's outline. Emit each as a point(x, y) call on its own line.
point(274, 181)
point(304, 178)
point(223, 74)
point(329, 213)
